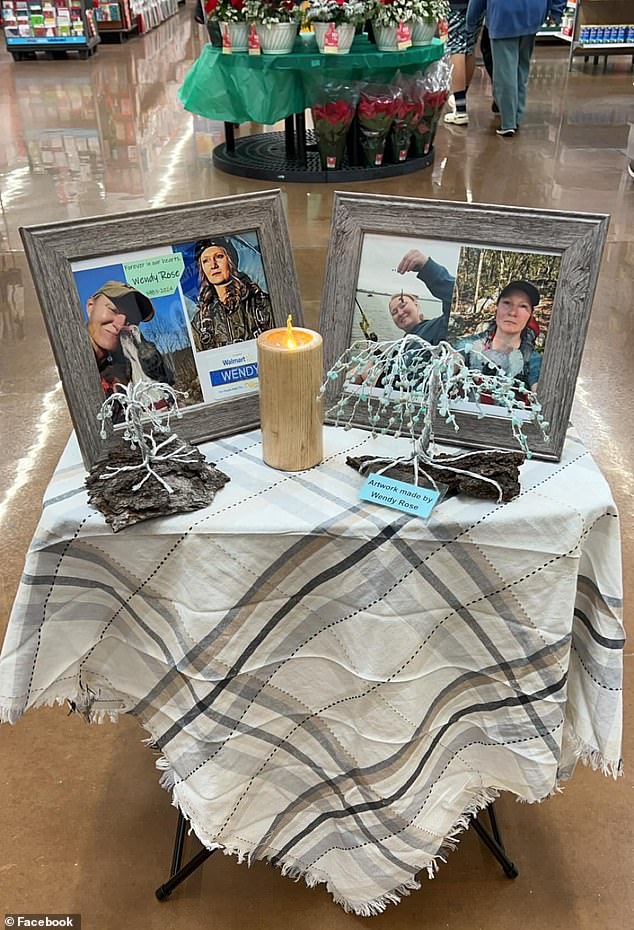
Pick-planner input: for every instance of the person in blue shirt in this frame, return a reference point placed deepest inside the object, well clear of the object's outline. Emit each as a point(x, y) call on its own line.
point(512, 25)
point(405, 309)
point(509, 340)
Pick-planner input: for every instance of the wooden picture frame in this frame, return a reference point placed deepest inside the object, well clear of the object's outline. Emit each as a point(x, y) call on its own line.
point(577, 240)
point(60, 253)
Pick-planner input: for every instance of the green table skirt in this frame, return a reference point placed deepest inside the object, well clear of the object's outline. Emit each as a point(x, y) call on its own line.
point(240, 88)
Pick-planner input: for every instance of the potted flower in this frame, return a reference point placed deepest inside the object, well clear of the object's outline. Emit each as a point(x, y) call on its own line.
point(338, 19)
point(426, 15)
point(231, 16)
point(277, 23)
point(420, 16)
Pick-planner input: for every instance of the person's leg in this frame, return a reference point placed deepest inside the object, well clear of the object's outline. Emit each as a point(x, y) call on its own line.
point(505, 64)
point(456, 48)
point(469, 68)
point(526, 46)
point(485, 50)
point(471, 40)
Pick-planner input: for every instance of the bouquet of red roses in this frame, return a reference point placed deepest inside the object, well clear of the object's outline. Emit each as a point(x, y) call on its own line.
point(433, 90)
point(333, 113)
point(409, 113)
point(376, 112)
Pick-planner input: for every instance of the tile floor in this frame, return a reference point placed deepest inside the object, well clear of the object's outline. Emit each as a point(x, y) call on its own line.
point(85, 826)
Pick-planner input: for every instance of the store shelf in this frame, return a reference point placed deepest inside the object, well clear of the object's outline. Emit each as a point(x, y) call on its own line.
point(603, 46)
point(598, 29)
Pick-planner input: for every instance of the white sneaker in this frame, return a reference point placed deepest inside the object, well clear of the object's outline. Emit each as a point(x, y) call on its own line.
point(451, 102)
point(458, 119)
point(506, 133)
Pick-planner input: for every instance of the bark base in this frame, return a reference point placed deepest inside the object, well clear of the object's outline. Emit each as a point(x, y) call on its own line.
point(194, 485)
point(502, 467)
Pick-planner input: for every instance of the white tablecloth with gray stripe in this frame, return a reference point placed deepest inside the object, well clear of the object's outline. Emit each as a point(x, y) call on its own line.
point(335, 686)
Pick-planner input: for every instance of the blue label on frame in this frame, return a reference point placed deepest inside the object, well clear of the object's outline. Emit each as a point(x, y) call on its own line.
point(409, 498)
point(246, 372)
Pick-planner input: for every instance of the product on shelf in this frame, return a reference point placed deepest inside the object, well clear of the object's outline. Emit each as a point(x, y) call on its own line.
point(608, 35)
point(51, 19)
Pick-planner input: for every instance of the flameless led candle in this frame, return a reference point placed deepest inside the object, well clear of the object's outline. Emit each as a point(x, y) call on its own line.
point(290, 366)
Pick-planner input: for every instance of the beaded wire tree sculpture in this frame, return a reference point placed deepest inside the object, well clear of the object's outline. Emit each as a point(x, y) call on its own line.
point(146, 470)
point(404, 385)
point(139, 403)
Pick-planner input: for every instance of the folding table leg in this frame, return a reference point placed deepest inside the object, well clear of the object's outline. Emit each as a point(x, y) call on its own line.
point(493, 842)
point(178, 874)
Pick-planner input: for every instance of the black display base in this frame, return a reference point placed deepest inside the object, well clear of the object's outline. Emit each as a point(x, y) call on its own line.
point(265, 156)
point(118, 36)
point(30, 52)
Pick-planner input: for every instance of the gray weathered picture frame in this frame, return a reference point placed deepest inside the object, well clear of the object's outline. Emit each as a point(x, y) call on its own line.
point(578, 238)
point(51, 249)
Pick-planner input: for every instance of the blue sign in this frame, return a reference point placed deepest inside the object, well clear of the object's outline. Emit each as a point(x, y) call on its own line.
point(232, 375)
point(410, 498)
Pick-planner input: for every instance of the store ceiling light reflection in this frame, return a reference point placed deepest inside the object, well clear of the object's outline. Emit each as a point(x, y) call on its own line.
point(14, 185)
point(173, 168)
point(32, 459)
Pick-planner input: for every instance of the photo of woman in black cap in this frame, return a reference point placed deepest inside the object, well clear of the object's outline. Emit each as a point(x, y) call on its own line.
point(231, 307)
point(509, 339)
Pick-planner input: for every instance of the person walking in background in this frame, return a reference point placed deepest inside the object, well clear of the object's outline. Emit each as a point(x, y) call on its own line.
point(512, 25)
point(487, 59)
point(461, 43)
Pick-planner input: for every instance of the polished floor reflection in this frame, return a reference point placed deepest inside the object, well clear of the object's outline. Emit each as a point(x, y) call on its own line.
point(87, 829)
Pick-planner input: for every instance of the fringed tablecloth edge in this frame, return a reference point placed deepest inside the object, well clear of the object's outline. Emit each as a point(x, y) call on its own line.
point(80, 700)
point(592, 756)
point(481, 798)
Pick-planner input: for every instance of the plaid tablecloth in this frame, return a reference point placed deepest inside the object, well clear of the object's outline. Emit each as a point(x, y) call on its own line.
point(335, 686)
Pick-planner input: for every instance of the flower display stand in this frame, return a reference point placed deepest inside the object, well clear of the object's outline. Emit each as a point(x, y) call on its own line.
point(240, 88)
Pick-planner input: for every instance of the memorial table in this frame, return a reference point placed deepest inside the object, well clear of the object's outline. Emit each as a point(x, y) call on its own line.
point(335, 686)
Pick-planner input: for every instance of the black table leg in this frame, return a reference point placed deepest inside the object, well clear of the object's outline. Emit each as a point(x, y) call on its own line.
point(494, 843)
point(289, 136)
point(179, 873)
point(230, 138)
point(300, 131)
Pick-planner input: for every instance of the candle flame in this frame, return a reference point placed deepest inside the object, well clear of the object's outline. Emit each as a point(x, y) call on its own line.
point(291, 342)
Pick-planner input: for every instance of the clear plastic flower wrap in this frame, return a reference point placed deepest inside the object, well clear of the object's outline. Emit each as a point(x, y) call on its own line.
point(378, 106)
point(333, 110)
point(409, 113)
point(432, 91)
